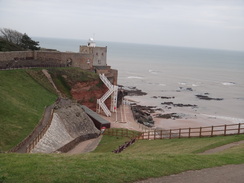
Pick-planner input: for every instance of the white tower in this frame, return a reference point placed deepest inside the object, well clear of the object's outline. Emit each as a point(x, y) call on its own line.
point(91, 43)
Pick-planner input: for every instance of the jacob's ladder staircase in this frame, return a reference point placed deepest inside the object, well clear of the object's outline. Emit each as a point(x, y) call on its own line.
point(113, 92)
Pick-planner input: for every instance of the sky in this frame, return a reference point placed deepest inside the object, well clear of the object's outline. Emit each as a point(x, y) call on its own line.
point(217, 24)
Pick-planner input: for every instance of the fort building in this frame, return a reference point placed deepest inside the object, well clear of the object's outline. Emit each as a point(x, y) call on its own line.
point(90, 57)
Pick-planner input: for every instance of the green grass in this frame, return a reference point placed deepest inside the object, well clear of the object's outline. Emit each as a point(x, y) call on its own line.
point(22, 102)
point(110, 143)
point(65, 78)
point(40, 78)
point(131, 165)
point(179, 146)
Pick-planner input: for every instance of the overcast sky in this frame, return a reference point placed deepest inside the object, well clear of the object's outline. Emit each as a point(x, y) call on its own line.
point(215, 24)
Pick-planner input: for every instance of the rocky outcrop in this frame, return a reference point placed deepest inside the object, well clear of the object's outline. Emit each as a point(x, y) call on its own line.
point(205, 97)
point(142, 114)
point(87, 93)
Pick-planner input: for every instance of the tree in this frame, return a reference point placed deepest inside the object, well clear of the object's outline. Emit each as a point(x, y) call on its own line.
point(12, 40)
point(28, 44)
point(11, 36)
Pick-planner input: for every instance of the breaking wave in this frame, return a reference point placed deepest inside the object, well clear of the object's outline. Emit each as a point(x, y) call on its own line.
point(228, 83)
point(232, 119)
point(134, 77)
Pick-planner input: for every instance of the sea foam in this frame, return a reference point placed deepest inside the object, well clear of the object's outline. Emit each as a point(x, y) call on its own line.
point(228, 83)
point(134, 77)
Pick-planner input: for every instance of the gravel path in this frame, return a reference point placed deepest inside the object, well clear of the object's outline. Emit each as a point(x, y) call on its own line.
point(221, 148)
point(224, 174)
point(86, 146)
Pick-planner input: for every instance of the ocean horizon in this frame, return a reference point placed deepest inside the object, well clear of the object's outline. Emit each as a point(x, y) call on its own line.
point(179, 72)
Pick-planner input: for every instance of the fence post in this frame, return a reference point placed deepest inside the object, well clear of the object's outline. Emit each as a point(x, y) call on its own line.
point(200, 133)
point(225, 131)
point(170, 134)
point(154, 134)
point(148, 135)
point(239, 128)
point(161, 136)
point(179, 133)
point(189, 134)
point(212, 131)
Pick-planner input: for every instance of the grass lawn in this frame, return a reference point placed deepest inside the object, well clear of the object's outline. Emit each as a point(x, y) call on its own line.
point(22, 102)
point(132, 164)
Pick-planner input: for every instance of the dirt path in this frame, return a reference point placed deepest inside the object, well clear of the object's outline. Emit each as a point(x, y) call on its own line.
point(86, 146)
point(45, 72)
point(221, 148)
point(224, 174)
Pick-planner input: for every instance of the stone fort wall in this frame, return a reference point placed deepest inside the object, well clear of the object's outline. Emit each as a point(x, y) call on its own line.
point(18, 59)
point(89, 58)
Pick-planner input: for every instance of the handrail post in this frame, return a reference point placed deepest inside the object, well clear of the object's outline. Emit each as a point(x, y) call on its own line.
point(225, 131)
point(212, 131)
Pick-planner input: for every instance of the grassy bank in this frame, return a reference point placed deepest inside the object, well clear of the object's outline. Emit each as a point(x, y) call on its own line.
point(65, 78)
point(22, 102)
point(131, 165)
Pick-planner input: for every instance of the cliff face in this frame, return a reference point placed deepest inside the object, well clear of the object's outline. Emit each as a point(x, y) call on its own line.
point(87, 93)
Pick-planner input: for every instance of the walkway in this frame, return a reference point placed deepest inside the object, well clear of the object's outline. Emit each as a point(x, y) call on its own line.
point(224, 174)
point(124, 119)
point(221, 148)
point(86, 146)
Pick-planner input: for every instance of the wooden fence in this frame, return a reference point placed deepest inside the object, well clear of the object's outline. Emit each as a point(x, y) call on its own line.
point(209, 131)
point(121, 132)
point(40, 134)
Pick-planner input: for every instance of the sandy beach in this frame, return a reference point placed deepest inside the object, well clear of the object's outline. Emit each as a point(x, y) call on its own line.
point(124, 119)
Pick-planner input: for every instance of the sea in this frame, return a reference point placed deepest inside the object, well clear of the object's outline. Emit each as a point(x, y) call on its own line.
point(179, 73)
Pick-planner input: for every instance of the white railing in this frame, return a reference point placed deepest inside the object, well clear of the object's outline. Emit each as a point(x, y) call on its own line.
point(112, 90)
point(104, 108)
point(105, 81)
point(113, 107)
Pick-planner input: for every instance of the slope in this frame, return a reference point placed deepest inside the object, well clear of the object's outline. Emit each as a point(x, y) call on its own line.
point(22, 102)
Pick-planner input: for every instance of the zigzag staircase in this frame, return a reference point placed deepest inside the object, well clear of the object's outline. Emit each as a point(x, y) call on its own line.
point(112, 90)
